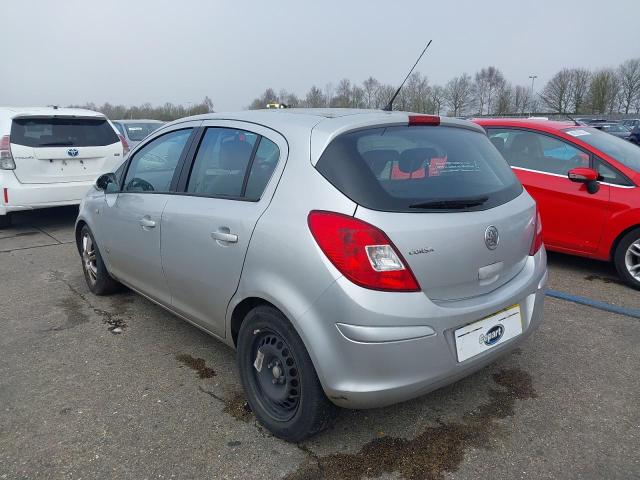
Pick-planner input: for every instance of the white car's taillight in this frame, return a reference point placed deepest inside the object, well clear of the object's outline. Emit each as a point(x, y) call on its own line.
point(125, 145)
point(6, 159)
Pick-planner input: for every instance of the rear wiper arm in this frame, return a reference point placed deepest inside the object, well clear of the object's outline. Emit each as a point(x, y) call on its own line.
point(54, 144)
point(451, 203)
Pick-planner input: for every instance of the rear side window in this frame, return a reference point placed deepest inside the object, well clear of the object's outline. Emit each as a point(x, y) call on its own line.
point(416, 168)
point(62, 132)
point(232, 163)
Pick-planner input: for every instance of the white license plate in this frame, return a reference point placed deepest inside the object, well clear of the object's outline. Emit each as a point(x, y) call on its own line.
point(485, 334)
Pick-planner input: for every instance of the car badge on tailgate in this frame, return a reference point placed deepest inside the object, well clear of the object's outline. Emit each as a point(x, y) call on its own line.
point(491, 237)
point(72, 152)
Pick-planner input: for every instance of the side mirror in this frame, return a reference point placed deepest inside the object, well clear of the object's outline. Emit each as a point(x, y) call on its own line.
point(105, 180)
point(583, 175)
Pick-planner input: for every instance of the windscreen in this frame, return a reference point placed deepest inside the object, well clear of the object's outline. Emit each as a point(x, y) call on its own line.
point(62, 132)
point(419, 168)
point(137, 131)
point(621, 150)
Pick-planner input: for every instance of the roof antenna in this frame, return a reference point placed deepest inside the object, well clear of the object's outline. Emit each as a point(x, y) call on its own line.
point(389, 106)
point(575, 122)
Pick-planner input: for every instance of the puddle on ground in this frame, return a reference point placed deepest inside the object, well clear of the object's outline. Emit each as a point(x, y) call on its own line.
point(197, 364)
point(591, 278)
point(437, 450)
point(238, 407)
point(75, 315)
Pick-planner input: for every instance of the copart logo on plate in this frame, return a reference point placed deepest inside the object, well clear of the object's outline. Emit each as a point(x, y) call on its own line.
point(493, 336)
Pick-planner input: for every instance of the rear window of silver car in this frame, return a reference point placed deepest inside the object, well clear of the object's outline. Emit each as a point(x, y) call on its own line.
point(137, 131)
point(62, 132)
point(419, 168)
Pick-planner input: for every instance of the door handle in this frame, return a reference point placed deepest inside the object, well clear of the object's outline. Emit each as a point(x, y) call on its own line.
point(224, 237)
point(146, 222)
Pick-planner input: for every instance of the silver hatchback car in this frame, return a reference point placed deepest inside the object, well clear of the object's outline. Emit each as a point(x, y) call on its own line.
point(354, 258)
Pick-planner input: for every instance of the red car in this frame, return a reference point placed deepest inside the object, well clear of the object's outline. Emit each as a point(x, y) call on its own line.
point(586, 183)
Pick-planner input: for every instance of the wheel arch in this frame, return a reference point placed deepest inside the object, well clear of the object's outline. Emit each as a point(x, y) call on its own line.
point(79, 225)
point(618, 238)
point(240, 312)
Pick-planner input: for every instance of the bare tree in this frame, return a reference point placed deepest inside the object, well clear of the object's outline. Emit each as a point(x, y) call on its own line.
point(556, 94)
point(579, 89)
point(357, 97)
point(315, 98)
point(488, 81)
point(342, 98)
point(458, 94)
point(437, 99)
point(629, 78)
point(417, 88)
point(370, 87)
point(502, 104)
point(604, 90)
point(328, 94)
point(383, 95)
point(521, 99)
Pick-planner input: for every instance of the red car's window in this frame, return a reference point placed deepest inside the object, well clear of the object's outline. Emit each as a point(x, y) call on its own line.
point(537, 151)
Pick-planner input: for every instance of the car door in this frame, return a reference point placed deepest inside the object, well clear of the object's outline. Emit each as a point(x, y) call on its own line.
point(572, 218)
point(207, 228)
point(131, 217)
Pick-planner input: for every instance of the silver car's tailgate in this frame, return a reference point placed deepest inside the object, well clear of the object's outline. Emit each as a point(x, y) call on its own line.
point(448, 252)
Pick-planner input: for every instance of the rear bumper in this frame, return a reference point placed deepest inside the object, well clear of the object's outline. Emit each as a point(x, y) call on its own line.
point(376, 364)
point(30, 196)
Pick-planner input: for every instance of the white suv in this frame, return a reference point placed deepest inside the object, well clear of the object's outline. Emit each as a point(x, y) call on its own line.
point(52, 156)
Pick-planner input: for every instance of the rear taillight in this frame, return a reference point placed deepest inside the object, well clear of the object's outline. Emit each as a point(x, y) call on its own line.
point(6, 159)
point(361, 252)
point(537, 235)
point(125, 145)
point(424, 120)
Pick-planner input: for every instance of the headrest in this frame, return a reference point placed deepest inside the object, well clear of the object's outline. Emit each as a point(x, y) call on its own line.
point(414, 158)
point(378, 159)
point(234, 154)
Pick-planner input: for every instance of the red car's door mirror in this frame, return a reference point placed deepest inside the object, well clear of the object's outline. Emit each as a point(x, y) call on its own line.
point(582, 175)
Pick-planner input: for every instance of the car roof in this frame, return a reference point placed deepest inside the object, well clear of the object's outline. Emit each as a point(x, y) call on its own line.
point(138, 120)
point(538, 124)
point(13, 112)
point(323, 124)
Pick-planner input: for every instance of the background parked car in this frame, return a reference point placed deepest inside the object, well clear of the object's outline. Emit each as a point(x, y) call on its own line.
point(585, 183)
point(135, 130)
point(613, 128)
point(631, 123)
point(634, 137)
point(52, 156)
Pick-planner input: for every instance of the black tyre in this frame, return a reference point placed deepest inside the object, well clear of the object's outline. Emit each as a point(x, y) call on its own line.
point(627, 258)
point(280, 382)
point(5, 221)
point(98, 278)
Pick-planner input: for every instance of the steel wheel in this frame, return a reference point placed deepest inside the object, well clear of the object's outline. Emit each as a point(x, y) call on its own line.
point(275, 375)
point(632, 260)
point(89, 258)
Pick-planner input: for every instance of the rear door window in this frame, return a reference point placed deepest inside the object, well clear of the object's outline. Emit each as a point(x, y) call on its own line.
point(153, 166)
point(416, 168)
point(62, 132)
point(232, 163)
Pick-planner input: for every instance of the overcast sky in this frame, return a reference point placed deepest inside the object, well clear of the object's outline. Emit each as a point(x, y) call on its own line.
point(71, 52)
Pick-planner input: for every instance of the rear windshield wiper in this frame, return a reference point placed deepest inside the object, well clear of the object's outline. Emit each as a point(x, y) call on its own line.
point(451, 203)
point(56, 144)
